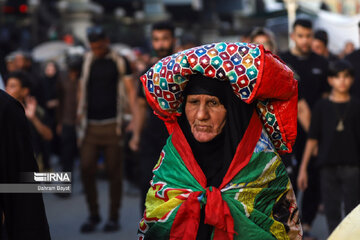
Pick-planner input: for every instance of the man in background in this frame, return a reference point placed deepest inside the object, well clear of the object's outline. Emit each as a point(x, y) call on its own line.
point(150, 132)
point(319, 45)
point(311, 71)
point(354, 59)
point(106, 83)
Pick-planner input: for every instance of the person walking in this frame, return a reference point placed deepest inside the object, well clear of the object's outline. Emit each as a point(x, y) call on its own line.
point(105, 86)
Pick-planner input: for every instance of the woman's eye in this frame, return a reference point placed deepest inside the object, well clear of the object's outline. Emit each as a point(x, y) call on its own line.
point(193, 101)
point(213, 103)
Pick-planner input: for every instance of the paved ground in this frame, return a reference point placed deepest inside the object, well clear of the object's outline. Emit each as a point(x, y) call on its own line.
point(66, 215)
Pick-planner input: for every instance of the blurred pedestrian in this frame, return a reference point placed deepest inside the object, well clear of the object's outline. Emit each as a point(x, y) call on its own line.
point(335, 132)
point(49, 79)
point(265, 37)
point(10, 63)
point(67, 89)
point(22, 214)
point(349, 48)
point(319, 45)
point(245, 35)
point(150, 132)
point(311, 72)
point(187, 40)
point(354, 59)
point(19, 87)
point(23, 62)
point(106, 77)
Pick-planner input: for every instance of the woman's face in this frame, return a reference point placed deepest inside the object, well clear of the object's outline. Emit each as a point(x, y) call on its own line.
point(50, 69)
point(206, 116)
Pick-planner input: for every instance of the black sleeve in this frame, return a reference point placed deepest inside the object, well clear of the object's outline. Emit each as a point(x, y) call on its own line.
point(128, 69)
point(24, 213)
point(357, 126)
point(60, 96)
point(325, 85)
point(140, 92)
point(315, 124)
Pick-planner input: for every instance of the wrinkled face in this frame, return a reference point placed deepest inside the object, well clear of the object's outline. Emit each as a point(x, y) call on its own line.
point(206, 116)
point(318, 47)
point(302, 37)
point(162, 42)
point(100, 48)
point(342, 82)
point(14, 89)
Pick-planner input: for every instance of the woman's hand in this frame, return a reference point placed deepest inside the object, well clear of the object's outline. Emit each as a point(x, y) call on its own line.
point(30, 108)
point(134, 143)
point(302, 180)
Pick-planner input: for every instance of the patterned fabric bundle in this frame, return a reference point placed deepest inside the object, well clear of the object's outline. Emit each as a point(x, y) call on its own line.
point(254, 74)
point(255, 199)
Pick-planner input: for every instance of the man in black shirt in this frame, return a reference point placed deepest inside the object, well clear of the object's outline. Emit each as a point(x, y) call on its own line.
point(354, 59)
point(106, 80)
point(311, 72)
point(150, 133)
point(319, 45)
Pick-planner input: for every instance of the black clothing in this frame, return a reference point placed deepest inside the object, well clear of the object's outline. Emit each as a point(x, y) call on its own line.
point(311, 73)
point(354, 59)
point(152, 140)
point(24, 213)
point(215, 157)
point(336, 147)
point(68, 147)
point(339, 184)
point(49, 85)
point(332, 57)
point(311, 196)
point(67, 94)
point(103, 88)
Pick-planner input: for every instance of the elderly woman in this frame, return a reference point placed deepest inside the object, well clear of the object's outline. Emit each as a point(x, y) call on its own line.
point(230, 109)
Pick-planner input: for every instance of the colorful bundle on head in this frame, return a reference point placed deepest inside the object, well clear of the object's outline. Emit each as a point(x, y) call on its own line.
point(254, 74)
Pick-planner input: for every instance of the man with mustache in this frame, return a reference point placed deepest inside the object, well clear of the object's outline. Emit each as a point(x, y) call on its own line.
point(150, 132)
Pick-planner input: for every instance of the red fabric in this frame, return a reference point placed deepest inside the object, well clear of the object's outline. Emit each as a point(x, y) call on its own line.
point(244, 150)
point(217, 214)
point(274, 81)
point(183, 148)
point(283, 95)
point(186, 222)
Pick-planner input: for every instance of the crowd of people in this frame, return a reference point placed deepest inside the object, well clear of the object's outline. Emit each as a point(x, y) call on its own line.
point(95, 108)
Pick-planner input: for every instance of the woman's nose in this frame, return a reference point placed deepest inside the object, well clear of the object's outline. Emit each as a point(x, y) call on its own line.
point(202, 113)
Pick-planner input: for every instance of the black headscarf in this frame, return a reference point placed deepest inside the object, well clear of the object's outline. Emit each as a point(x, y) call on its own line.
point(215, 157)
